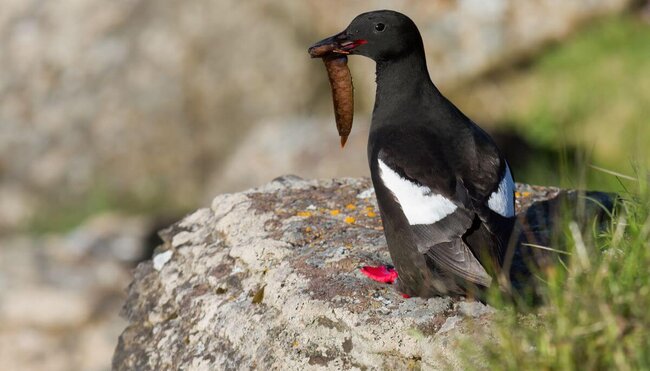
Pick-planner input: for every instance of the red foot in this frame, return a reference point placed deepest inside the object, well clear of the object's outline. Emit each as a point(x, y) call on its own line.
point(406, 296)
point(381, 273)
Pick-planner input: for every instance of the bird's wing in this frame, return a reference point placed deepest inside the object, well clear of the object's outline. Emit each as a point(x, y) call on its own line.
point(436, 205)
point(456, 257)
point(488, 176)
point(490, 186)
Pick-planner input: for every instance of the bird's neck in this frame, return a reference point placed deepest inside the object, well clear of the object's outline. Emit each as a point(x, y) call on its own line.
point(402, 83)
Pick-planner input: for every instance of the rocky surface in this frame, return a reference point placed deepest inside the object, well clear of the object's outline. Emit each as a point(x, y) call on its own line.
point(60, 294)
point(269, 279)
point(145, 98)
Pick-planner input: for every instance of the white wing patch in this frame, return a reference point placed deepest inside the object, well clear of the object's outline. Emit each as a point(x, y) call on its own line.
point(419, 204)
point(502, 201)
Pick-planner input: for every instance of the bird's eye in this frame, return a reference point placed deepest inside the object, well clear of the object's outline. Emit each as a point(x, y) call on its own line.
point(380, 27)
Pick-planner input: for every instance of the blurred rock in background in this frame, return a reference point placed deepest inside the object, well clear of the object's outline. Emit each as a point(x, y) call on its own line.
point(295, 145)
point(128, 103)
point(60, 294)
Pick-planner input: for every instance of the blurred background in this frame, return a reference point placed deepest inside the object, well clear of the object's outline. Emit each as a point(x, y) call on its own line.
point(117, 118)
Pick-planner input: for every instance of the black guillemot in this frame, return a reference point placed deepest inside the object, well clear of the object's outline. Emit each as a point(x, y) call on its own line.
point(444, 190)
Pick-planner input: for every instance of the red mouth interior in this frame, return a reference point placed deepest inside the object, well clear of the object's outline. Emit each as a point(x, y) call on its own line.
point(349, 45)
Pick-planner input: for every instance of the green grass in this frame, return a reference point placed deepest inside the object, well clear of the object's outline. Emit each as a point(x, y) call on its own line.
point(598, 78)
point(593, 92)
point(595, 313)
point(62, 215)
point(590, 93)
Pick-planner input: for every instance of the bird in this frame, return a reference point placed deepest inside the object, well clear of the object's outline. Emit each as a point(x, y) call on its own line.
point(444, 190)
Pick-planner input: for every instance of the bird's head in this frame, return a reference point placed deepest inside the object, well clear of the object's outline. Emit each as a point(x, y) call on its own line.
point(379, 35)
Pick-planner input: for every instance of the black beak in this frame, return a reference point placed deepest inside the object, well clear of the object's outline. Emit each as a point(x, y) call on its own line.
point(339, 44)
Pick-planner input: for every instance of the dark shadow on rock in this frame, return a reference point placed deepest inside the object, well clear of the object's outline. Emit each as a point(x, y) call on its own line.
point(153, 238)
point(543, 225)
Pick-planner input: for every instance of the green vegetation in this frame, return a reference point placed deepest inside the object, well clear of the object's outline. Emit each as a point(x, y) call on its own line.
point(595, 314)
point(590, 95)
point(66, 213)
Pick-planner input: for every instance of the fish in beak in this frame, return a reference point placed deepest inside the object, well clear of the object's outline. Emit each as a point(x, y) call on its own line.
point(334, 50)
point(338, 44)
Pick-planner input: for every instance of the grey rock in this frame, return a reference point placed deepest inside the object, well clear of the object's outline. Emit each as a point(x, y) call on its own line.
point(474, 309)
point(269, 279)
point(60, 294)
point(161, 259)
point(450, 324)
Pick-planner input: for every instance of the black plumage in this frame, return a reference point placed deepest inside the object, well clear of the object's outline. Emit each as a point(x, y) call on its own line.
point(444, 190)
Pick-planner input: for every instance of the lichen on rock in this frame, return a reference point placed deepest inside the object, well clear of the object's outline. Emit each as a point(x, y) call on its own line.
point(269, 279)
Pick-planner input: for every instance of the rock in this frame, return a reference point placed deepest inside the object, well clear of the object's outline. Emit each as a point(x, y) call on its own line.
point(142, 99)
point(449, 325)
point(60, 294)
point(65, 308)
point(474, 309)
point(269, 279)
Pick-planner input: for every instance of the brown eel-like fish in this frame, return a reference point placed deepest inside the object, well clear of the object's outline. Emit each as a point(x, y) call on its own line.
point(336, 63)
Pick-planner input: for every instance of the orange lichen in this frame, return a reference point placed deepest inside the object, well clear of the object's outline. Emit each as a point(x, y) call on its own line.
point(304, 214)
point(371, 214)
point(350, 207)
point(349, 220)
point(335, 212)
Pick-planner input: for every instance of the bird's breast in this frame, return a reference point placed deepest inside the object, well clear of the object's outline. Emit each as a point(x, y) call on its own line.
point(419, 204)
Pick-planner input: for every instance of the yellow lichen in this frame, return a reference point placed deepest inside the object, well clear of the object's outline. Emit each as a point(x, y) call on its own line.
point(349, 220)
point(259, 296)
point(335, 212)
point(350, 207)
point(371, 214)
point(522, 194)
point(304, 214)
